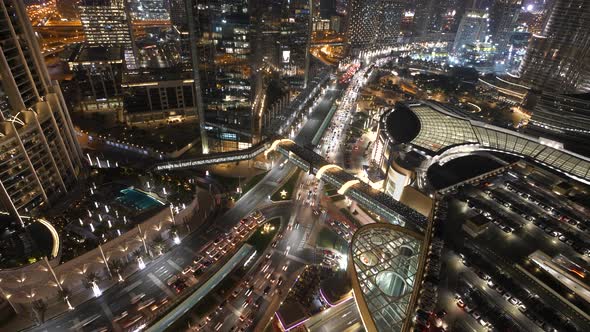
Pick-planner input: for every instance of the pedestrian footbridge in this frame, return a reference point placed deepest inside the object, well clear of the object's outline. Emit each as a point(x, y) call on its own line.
point(349, 185)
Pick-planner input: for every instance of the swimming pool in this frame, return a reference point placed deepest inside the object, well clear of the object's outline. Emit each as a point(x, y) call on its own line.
point(137, 200)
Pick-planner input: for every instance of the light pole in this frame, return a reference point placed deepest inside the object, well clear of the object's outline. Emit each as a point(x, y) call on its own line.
point(104, 259)
point(7, 297)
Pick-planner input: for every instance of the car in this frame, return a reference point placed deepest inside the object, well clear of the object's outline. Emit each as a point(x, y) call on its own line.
point(144, 304)
point(266, 290)
point(482, 275)
point(514, 301)
point(275, 243)
point(460, 303)
point(280, 281)
point(120, 316)
point(287, 250)
point(137, 298)
point(507, 296)
point(268, 255)
point(249, 291)
point(247, 302)
point(218, 326)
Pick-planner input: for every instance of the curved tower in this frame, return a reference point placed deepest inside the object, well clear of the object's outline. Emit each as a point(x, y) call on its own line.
point(40, 159)
point(559, 60)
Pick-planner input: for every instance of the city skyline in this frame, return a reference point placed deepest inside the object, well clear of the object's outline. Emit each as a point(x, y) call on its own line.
point(291, 165)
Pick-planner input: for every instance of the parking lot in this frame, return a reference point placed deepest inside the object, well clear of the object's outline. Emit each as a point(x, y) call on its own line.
point(487, 280)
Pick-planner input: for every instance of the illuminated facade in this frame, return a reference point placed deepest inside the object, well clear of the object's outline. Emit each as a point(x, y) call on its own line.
point(107, 23)
point(504, 16)
point(558, 61)
point(567, 114)
point(361, 26)
point(40, 159)
point(374, 23)
point(294, 40)
point(385, 265)
point(98, 72)
point(472, 29)
point(217, 39)
point(149, 10)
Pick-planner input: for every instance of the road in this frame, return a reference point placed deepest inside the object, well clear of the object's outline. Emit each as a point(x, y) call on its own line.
point(151, 280)
point(343, 317)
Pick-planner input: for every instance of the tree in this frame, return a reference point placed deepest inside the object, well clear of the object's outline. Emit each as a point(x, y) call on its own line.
point(90, 278)
point(39, 308)
point(158, 244)
point(117, 267)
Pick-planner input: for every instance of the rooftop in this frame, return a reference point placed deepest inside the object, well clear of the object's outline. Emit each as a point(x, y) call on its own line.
point(384, 259)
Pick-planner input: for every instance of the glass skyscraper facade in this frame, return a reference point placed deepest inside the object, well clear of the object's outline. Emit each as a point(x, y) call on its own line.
point(559, 59)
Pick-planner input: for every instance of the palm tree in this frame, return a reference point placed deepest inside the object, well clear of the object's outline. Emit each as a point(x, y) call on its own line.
point(39, 308)
point(158, 244)
point(117, 267)
point(90, 278)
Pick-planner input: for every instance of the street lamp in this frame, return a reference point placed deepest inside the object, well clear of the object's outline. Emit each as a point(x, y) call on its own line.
point(97, 292)
point(140, 263)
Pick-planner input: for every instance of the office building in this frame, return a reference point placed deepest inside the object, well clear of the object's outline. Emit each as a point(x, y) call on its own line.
point(436, 16)
point(472, 29)
point(558, 61)
point(40, 159)
point(503, 21)
point(327, 8)
point(294, 41)
point(567, 115)
point(149, 10)
point(217, 39)
point(98, 71)
point(374, 23)
point(158, 95)
point(390, 21)
point(362, 23)
point(106, 23)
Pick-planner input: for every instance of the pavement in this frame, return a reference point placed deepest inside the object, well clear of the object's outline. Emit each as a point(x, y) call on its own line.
point(343, 317)
point(99, 312)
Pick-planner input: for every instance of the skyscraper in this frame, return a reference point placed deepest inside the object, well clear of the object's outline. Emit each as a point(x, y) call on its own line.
point(390, 21)
point(106, 23)
point(473, 28)
point(147, 10)
point(374, 23)
point(294, 41)
point(503, 19)
point(40, 159)
point(219, 44)
point(361, 26)
point(559, 59)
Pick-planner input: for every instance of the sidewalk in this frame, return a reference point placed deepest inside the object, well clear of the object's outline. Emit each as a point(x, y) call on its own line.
point(56, 307)
point(242, 169)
